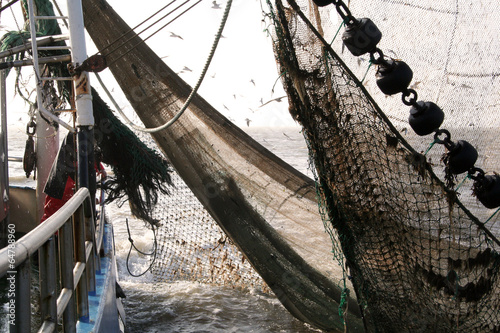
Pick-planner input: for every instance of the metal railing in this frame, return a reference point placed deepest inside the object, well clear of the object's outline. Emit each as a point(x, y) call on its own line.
point(72, 227)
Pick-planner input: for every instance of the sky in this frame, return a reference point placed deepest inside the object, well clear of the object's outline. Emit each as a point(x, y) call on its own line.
point(243, 72)
point(242, 81)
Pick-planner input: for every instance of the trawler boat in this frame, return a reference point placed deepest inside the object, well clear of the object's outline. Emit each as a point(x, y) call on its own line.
point(59, 274)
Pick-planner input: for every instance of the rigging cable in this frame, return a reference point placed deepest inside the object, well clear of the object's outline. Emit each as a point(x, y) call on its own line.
point(154, 33)
point(153, 253)
point(193, 91)
point(8, 5)
point(137, 26)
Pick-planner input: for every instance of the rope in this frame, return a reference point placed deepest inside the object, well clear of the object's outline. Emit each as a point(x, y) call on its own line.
point(194, 90)
point(153, 253)
point(489, 218)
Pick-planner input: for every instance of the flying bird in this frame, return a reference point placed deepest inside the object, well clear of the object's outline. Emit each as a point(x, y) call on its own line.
point(172, 34)
point(277, 99)
point(215, 5)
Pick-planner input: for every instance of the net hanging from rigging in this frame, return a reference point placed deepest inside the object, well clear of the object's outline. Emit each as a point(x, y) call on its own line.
point(418, 258)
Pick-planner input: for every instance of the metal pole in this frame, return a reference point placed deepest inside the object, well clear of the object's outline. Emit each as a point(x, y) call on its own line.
point(23, 301)
point(91, 262)
point(84, 121)
point(47, 273)
point(83, 99)
point(66, 267)
point(4, 164)
point(80, 257)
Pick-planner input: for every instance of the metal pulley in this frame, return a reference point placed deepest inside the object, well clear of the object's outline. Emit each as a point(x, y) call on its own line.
point(29, 158)
point(425, 117)
point(362, 36)
point(461, 156)
point(393, 76)
point(487, 189)
point(95, 64)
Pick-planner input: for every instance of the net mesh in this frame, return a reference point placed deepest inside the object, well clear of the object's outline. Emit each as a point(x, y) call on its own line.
point(192, 247)
point(418, 258)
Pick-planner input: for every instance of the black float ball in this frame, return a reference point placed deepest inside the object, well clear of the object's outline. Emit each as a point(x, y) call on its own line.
point(487, 190)
point(322, 3)
point(361, 37)
point(461, 157)
point(425, 118)
point(393, 76)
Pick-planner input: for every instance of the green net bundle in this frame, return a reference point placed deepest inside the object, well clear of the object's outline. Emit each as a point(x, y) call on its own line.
point(140, 174)
point(418, 259)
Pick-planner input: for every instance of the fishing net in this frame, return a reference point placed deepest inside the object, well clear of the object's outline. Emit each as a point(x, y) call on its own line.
point(419, 259)
point(140, 174)
point(264, 206)
point(192, 247)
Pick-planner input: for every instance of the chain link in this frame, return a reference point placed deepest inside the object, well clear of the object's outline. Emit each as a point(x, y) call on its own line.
point(344, 12)
point(410, 100)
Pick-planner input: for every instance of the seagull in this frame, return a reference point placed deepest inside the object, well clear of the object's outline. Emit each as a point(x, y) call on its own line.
point(252, 81)
point(248, 122)
point(414, 84)
point(277, 99)
point(360, 60)
point(172, 34)
point(215, 5)
point(187, 69)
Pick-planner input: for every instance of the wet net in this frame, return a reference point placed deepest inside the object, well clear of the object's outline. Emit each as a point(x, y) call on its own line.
point(192, 247)
point(421, 251)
